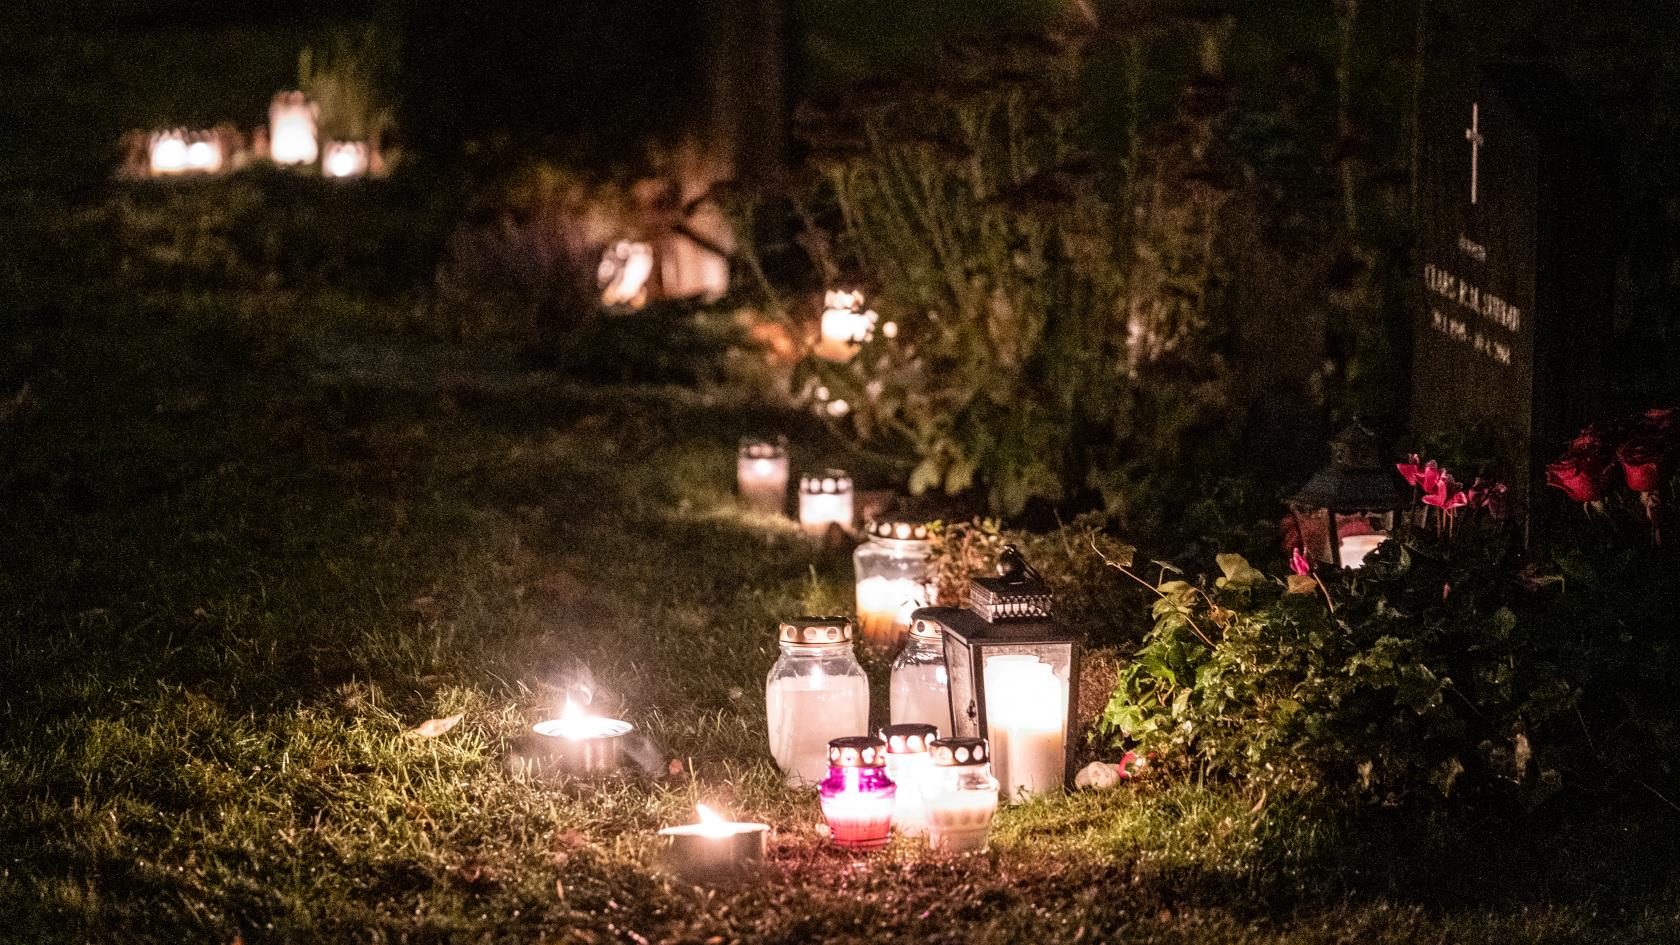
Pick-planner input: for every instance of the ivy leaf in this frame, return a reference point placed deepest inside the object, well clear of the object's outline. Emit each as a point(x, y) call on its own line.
point(1238, 572)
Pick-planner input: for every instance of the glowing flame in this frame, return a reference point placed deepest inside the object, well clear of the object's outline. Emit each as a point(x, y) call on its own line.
point(711, 823)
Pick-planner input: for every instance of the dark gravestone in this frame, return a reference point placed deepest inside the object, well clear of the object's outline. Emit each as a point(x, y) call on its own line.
point(1514, 257)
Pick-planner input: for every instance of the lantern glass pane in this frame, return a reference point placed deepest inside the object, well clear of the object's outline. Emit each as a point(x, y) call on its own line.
point(1027, 688)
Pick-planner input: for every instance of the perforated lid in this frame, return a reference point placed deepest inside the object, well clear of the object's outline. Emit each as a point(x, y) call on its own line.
point(857, 751)
point(959, 751)
point(896, 527)
point(908, 738)
point(828, 482)
point(764, 446)
point(815, 631)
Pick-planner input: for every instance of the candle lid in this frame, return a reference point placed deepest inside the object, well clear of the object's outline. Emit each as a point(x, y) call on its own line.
point(828, 482)
point(926, 629)
point(764, 446)
point(815, 631)
point(908, 738)
point(857, 751)
point(959, 751)
point(896, 526)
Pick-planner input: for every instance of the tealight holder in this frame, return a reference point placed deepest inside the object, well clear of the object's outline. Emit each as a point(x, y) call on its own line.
point(572, 745)
point(712, 849)
point(857, 796)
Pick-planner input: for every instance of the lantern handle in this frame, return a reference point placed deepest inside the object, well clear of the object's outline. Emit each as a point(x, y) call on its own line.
point(1012, 566)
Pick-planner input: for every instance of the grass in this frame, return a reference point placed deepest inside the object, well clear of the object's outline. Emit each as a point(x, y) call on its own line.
point(236, 568)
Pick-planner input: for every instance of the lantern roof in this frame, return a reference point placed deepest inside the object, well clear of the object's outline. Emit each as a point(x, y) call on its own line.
point(1017, 593)
point(1357, 479)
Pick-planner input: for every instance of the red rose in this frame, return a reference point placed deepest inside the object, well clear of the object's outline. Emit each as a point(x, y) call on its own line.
point(1581, 475)
point(1642, 462)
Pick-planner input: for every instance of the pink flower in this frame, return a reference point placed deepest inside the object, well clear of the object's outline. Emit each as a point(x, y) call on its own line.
point(1409, 469)
point(1445, 495)
point(1298, 562)
point(1430, 476)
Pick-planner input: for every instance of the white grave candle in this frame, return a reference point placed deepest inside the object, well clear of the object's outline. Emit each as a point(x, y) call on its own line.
point(1026, 713)
point(1355, 548)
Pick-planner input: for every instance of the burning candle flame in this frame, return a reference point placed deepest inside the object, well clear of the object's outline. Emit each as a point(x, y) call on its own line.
point(711, 823)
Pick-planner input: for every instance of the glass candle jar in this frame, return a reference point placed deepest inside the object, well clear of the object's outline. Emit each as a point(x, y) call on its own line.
point(845, 325)
point(1026, 713)
point(961, 795)
point(920, 689)
point(825, 501)
point(816, 692)
point(908, 765)
point(895, 575)
point(858, 796)
point(761, 473)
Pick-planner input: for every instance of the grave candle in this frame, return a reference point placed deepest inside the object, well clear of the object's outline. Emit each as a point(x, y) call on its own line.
point(1354, 548)
point(908, 765)
point(168, 152)
point(345, 159)
point(895, 575)
point(825, 501)
point(961, 795)
point(582, 743)
point(761, 473)
point(857, 796)
point(845, 325)
point(815, 692)
point(920, 686)
point(291, 129)
point(1026, 708)
point(712, 848)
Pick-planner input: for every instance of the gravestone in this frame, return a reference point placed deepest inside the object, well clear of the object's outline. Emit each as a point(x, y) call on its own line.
point(1516, 269)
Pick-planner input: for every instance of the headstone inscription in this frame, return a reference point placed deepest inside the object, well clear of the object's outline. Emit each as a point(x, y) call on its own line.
point(1515, 264)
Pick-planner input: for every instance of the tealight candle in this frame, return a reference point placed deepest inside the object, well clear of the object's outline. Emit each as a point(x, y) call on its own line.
point(712, 848)
point(1026, 708)
point(582, 743)
point(857, 796)
point(1355, 548)
point(824, 502)
point(908, 765)
point(961, 795)
point(761, 473)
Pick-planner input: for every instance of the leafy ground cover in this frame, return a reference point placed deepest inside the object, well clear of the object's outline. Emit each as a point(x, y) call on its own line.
point(236, 572)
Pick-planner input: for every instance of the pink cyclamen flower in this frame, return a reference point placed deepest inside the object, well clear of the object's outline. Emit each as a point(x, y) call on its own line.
point(1409, 470)
point(1430, 476)
point(1298, 562)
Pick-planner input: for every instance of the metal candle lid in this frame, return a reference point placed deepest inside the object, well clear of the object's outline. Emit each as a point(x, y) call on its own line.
point(908, 738)
point(815, 631)
point(896, 528)
point(764, 447)
point(829, 482)
point(959, 752)
point(857, 751)
point(926, 630)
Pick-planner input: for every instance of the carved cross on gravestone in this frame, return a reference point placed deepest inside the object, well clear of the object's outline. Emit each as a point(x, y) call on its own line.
point(1473, 135)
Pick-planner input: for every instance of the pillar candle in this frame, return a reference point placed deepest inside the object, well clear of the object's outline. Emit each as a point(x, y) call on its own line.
point(1026, 714)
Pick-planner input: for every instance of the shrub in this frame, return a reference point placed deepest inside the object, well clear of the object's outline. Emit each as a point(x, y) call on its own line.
point(1418, 677)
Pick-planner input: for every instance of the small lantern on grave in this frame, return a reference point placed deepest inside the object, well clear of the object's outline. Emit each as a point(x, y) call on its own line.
point(846, 324)
point(345, 159)
point(1012, 672)
point(1347, 508)
point(624, 274)
point(291, 129)
point(167, 153)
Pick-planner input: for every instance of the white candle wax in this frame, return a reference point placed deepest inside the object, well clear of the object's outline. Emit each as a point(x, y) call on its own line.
point(960, 821)
point(921, 694)
point(763, 482)
point(884, 606)
point(820, 510)
point(1026, 710)
point(804, 712)
point(908, 771)
point(1354, 549)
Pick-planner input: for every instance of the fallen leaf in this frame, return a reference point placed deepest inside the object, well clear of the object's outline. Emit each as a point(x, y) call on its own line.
point(432, 728)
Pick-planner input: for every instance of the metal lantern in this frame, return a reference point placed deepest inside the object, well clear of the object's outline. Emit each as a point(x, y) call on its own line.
point(1347, 509)
point(1013, 672)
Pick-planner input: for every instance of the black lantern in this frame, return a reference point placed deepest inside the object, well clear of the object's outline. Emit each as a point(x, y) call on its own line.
point(1013, 674)
point(1347, 509)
